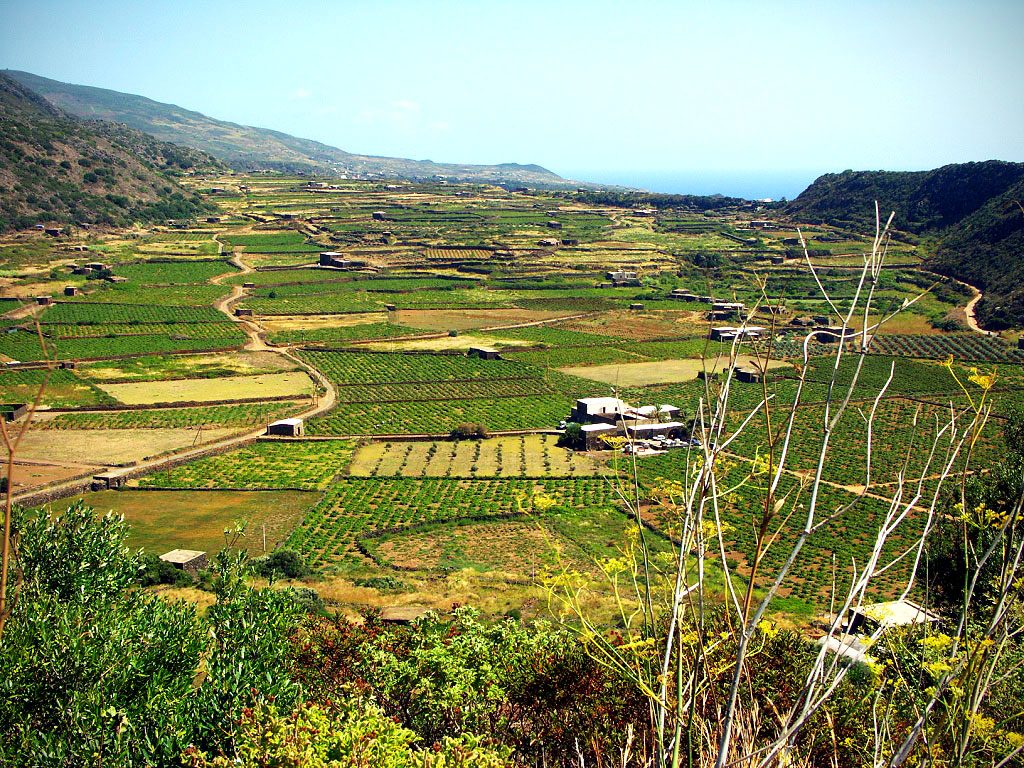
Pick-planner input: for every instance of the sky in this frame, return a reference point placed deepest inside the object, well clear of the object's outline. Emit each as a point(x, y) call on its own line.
point(691, 94)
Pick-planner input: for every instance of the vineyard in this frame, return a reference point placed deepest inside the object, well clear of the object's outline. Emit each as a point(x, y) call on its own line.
point(830, 553)
point(249, 415)
point(264, 465)
point(457, 264)
point(353, 507)
point(520, 456)
point(384, 393)
point(962, 347)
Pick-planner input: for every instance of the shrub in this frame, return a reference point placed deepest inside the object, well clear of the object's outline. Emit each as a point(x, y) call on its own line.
point(284, 563)
point(157, 571)
point(352, 733)
point(469, 431)
point(382, 583)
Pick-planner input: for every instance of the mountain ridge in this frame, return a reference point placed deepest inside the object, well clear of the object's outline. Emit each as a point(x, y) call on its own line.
point(964, 214)
point(57, 168)
point(250, 148)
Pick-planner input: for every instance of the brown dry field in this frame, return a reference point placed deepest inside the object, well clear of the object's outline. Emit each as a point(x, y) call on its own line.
point(188, 366)
point(465, 319)
point(105, 447)
point(34, 475)
point(509, 547)
point(641, 326)
point(311, 322)
point(9, 289)
point(657, 371)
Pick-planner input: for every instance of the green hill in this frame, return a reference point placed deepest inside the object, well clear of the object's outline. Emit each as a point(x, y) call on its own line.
point(57, 168)
point(986, 249)
point(965, 215)
point(246, 148)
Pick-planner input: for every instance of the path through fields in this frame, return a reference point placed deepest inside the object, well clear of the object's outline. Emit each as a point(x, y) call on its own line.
point(321, 404)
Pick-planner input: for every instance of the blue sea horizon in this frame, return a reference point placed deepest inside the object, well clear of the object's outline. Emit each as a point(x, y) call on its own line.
point(753, 185)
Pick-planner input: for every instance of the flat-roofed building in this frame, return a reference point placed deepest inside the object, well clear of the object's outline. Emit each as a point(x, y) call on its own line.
point(188, 560)
point(286, 427)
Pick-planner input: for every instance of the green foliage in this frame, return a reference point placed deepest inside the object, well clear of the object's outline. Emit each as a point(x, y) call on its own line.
point(93, 670)
point(119, 176)
point(469, 431)
point(348, 734)
point(97, 671)
point(156, 571)
point(247, 653)
point(286, 563)
point(74, 556)
point(271, 465)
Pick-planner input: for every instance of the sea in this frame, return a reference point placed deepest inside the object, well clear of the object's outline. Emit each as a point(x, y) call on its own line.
point(750, 185)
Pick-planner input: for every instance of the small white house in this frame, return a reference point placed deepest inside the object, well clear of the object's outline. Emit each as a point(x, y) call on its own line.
point(286, 427)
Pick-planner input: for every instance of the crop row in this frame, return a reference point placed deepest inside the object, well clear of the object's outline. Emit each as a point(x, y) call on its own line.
point(301, 465)
point(442, 416)
point(272, 242)
point(63, 388)
point(832, 551)
point(173, 272)
point(382, 367)
point(192, 331)
point(85, 313)
point(346, 333)
point(442, 390)
point(356, 506)
point(162, 296)
point(248, 415)
point(960, 347)
point(25, 346)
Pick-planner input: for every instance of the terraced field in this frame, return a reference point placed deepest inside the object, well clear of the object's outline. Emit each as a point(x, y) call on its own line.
point(154, 339)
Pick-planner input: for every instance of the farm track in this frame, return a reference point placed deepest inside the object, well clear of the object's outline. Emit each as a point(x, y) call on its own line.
point(322, 405)
point(972, 318)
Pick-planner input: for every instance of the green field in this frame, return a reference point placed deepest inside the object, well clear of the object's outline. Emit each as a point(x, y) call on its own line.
point(473, 266)
point(264, 465)
point(165, 520)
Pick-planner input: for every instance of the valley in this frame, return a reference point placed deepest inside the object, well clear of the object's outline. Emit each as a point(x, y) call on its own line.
point(432, 339)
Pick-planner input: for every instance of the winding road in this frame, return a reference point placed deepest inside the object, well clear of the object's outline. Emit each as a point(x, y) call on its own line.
point(321, 405)
point(972, 319)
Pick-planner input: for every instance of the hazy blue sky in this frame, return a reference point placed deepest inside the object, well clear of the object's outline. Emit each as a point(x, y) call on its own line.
point(629, 89)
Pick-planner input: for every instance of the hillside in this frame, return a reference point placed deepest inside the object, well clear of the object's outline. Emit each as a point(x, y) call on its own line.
point(56, 168)
point(246, 148)
point(966, 212)
point(986, 249)
point(924, 201)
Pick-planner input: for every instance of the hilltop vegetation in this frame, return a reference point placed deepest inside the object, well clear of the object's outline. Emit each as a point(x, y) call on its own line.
point(56, 168)
point(972, 228)
point(246, 148)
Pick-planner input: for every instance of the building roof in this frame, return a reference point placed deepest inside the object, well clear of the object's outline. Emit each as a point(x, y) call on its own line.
point(593, 405)
point(597, 428)
point(848, 646)
point(293, 422)
point(896, 613)
point(655, 426)
point(181, 555)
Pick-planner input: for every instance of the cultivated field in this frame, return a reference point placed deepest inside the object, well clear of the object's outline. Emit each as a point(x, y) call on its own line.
point(660, 372)
point(180, 319)
point(98, 448)
point(521, 456)
point(289, 384)
point(165, 520)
